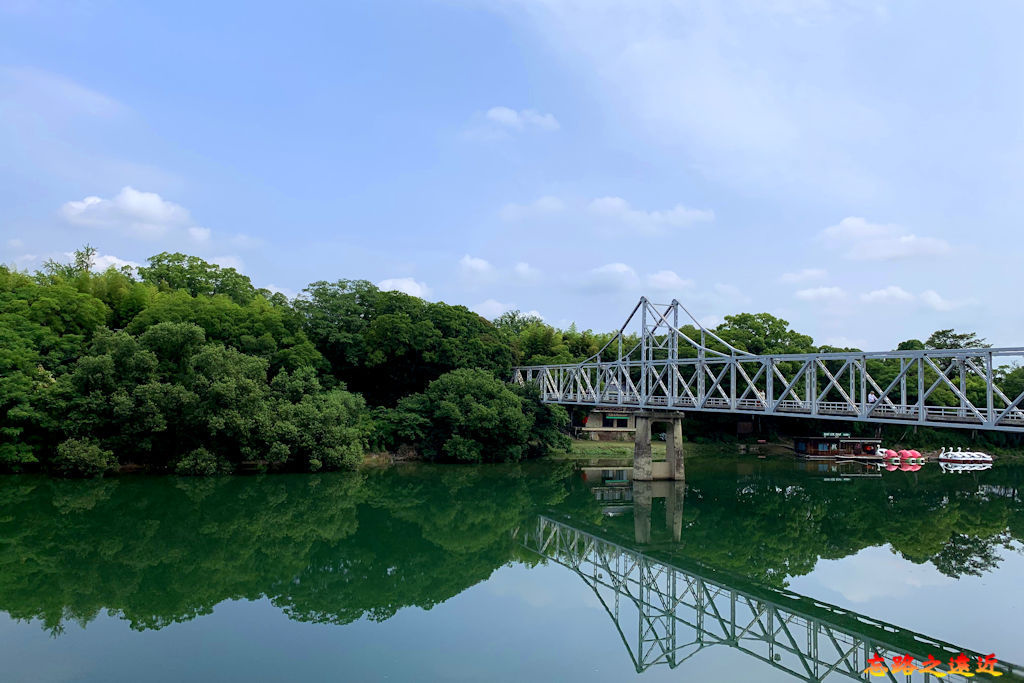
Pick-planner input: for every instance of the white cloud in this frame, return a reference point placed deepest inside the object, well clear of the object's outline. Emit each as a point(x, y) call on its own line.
point(618, 209)
point(405, 284)
point(820, 294)
point(888, 295)
point(935, 301)
point(522, 119)
point(199, 234)
point(612, 277)
point(524, 272)
point(491, 308)
point(476, 268)
point(15, 243)
point(544, 206)
point(861, 240)
point(803, 275)
point(104, 261)
point(144, 214)
point(668, 280)
point(930, 298)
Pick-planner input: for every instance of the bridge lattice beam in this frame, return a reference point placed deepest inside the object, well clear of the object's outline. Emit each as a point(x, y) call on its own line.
point(670, 370)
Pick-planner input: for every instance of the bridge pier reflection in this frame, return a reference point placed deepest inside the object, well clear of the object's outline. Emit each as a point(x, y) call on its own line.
point(644, 493)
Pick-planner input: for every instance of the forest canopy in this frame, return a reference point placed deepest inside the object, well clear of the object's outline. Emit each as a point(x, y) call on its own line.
point(185, 366)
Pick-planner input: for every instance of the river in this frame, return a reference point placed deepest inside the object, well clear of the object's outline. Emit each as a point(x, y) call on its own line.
point(768, 570)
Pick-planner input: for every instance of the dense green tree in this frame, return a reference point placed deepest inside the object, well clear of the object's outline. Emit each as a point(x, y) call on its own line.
point(763, 333)
point(386, 345)
point(948, 339)
point(193, 275)
point(514, 322)
point(469, 416)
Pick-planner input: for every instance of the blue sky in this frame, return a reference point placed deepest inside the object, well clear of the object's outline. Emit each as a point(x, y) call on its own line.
point(854, 167)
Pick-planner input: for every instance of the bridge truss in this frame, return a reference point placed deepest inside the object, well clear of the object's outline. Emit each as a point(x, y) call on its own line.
point(680, 612)
point(669, 368)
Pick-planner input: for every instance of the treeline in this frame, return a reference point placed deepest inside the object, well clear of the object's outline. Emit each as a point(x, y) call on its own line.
point(186, 366)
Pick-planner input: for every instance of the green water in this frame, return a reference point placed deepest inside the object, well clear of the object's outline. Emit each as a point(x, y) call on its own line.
point(508, 573)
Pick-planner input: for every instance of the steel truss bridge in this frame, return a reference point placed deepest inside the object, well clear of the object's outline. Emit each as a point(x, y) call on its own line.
point(671, 613)
point(666, 368)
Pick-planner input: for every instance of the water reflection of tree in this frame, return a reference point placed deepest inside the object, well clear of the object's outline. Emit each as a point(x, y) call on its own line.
point(324, 548)
point(337, 548)
point(772, 522)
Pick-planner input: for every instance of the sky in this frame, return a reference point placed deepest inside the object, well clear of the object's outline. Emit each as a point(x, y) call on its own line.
point(855, 168)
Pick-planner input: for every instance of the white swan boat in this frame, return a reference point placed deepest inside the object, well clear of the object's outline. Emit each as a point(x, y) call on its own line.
point(960, 456)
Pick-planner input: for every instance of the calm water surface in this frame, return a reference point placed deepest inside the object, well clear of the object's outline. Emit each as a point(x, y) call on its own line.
point(753, 570)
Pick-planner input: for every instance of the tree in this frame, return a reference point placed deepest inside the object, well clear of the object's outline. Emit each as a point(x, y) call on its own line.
point(386, 345)
point(763, 333)
point(911, 345)
point(948, 339)
point(469, 416)
point(514, 322)
point(196, 276)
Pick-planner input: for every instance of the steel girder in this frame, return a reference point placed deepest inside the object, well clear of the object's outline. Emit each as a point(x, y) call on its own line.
point(667, 369)
point(665, 614)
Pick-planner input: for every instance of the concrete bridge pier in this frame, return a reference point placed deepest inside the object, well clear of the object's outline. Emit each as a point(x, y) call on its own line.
point(643, 466)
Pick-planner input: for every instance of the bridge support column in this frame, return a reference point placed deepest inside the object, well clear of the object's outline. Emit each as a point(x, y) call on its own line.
point(674, 450)
point(643, 499)
point(642, 465)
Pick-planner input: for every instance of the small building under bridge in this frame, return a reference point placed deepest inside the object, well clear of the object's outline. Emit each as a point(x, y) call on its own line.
point(607, 425)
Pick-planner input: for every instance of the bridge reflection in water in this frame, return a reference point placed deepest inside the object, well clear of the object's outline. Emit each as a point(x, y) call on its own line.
point(667, 612)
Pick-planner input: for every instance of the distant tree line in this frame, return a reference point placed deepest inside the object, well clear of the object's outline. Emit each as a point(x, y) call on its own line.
point(185, 366)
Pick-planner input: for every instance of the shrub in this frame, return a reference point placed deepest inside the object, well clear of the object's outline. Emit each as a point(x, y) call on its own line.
point(82, 458)
point(202, 463)
point(470, 416)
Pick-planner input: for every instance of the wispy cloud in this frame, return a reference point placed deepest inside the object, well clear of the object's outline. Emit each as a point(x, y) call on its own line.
point(407, 285)
point(804, 275)
point(820, 294)
point(543, 206)
point(668, 281)
point(618, 209)
point(522, 119)
point(861, 240)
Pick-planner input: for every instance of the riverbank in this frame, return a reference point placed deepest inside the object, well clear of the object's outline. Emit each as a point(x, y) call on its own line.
point(623, 450)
